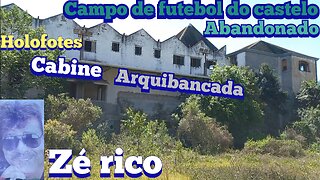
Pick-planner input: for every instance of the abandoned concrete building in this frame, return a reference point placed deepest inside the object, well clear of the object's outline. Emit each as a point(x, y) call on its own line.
point(187, 54)
point(291, 67)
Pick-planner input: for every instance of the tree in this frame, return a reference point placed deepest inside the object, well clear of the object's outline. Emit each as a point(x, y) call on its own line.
point(270, 91)
point(273, 97)
point(309, 94)
point(308, 99)
point(16, 78)
point(309, 124)
point(243, 117)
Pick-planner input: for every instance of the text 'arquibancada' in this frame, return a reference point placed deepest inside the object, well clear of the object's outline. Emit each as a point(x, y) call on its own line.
point(167, 82)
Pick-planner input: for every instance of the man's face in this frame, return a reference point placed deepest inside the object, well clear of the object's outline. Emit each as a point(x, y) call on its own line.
point(25, 147)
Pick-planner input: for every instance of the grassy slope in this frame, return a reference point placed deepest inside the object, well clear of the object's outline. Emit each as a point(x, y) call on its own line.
point(234, 166)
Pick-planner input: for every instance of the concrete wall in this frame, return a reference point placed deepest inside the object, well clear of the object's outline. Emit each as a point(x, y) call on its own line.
point(241, 59)
point(60, 26)
point(118, 98)
point(299, 76)
point(285, 77)
point(290, 79)
point(113, 91)
point(254, 59)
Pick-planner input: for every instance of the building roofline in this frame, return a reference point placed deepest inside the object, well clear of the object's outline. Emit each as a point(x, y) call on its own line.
point(11, 4)
point(94, 26)
point(97, 25)
point(246, 48)
point(144, 31)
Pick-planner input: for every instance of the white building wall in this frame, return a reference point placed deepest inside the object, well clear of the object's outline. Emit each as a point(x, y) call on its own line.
point(60, 26)
point(104, 35)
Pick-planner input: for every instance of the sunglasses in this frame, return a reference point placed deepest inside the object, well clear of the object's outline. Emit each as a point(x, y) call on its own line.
point(10, 143)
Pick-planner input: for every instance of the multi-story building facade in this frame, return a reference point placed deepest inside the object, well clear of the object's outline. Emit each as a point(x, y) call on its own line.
point(187, 54)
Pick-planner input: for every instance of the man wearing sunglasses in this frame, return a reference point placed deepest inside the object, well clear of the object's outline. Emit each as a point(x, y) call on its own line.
point(21, 123)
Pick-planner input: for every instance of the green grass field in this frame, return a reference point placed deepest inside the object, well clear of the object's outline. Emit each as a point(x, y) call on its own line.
point(231, 166)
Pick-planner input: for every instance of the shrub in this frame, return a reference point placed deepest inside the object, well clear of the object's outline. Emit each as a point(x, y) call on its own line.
point(201, 132)
point(93, 143)
point(58, 135)
point(141, 136)
point(309, 124)
point(134, 122)
point(103, 130)
point(275, 147)
point(80, 114)
point(315, 147)
point(291, 134)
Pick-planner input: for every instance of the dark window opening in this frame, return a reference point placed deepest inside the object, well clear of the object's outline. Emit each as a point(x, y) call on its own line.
point(95, 92)
point(284, 65)
point(138, 50)
point(179, 60)
point(195, 62)
point(89, 46)
point(304, 66)
point(115, 47)
point(157, 53)
point(211, 64)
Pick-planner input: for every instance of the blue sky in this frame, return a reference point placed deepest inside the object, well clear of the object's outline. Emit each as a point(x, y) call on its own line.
point(163, 29)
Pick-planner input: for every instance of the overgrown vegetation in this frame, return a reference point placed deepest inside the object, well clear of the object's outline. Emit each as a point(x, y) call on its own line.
point(242, 117)
point(69, 122)
point(200, 132)
point(16, 78)
point(201, 147)
point(141, 136)
point(79, 113)
point(276, 147)
point(58, 135)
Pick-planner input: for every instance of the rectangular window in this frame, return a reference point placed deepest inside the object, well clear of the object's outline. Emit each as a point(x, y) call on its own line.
point(90, 46)
point(115, 47)
point(138, 50)
point(157, 53)
point(179, 60)
point(195, 62)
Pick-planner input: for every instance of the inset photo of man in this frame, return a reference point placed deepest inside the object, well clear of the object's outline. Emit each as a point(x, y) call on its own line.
point(21, 139)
